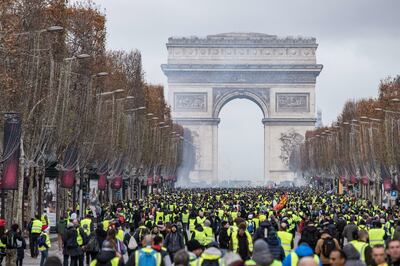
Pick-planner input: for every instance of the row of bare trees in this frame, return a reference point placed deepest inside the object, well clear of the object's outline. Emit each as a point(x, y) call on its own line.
point(362, 145)
point(81, 106)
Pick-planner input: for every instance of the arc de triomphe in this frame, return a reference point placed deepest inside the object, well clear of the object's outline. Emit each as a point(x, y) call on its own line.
point(276, 73)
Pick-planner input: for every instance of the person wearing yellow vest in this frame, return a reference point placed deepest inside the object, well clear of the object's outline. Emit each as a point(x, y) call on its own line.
point(303, 250)
point(192, 224)
point(159, 216)
point(185, 218)
point(209, 233)
point(362, 247)
point(44, 219)
point(242, 243)
point(86, 224)
point(81, 240)
point(107, 255)
point(200, 219)
point(377, 235)
point(146, 255)
point(210, 256)
point(44, 244)
point(286, 238)
point(36, 230)
point(199, 235)
point(77, 208)
point(120, 232)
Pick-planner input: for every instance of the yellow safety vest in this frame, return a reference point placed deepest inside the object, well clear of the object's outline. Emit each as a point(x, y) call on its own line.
point(209, 235)
point(286, 241)
point(192, 224)
point(235, 242)
point(262, 217)
point(295, 258)
point(36, 226)
point(120, 235)
point(148, 250)
point(200, 236)
point(376, 236)
point(220, 213)
point(360, 246)
point(48, 243)
point(106, 224)
point(43, 219)
point(79, 238)
point(167, 218)
point(159, 216)
point(185, 217)
point(2, 245)
point(86, 228)
point(234, 215)
point(201, 220)
point(256, 222)
point(114, 262)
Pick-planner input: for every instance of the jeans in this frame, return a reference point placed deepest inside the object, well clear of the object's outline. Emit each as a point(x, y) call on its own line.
point(34, 245)
point(45, 254)
point(90, 256)
point(19, 261)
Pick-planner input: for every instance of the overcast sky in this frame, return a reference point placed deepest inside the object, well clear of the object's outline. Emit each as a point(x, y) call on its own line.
point(359, 43)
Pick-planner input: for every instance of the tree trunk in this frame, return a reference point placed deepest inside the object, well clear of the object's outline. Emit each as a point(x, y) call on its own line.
point(40, 191)
point(20, 197)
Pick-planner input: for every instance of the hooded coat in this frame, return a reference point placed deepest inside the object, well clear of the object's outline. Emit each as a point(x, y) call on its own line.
point(352, 256)
point(261, 253)
point(260, 232)
point(105, 256)
point(274, 245)
point(174, 241)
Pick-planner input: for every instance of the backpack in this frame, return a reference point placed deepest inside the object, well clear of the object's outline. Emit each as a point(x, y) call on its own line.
point(132, 244)
point(11, 241)
point(147, 258)
point(41, 240)
point(19, 243)
point(93, 245)
point(250, 227)
point(328, 246)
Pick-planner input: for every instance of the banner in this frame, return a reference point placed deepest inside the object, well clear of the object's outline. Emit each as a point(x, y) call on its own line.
point(11, 151)
point(102, 182)
point(149, 180)
point(68, 179)
point(116, 183)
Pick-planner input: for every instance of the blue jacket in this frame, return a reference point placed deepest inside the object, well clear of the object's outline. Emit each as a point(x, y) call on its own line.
point(301, 251)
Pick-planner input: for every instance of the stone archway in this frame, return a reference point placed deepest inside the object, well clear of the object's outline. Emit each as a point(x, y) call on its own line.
point(222, 96)
point(277, 73)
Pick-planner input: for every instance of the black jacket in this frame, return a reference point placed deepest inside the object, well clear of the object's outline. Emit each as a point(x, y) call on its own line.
point(174, 242)
point(105, 256)
point(224, 238)
point(71, 247)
